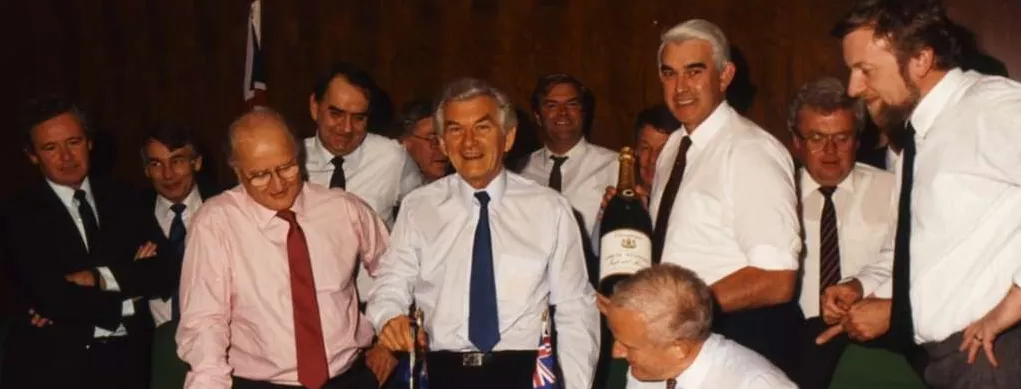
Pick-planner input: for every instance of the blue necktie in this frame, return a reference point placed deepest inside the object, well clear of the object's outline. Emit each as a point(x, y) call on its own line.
point(176, 238)
point(483, 320)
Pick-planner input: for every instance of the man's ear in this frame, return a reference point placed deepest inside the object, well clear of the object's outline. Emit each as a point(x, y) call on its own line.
point(313, 106)
point(603, 303)
point(727, 75)
point(197, 164)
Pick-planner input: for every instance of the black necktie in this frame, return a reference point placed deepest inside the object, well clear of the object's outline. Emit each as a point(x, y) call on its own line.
point(88, 217)
point(176, 237)
point(338, 180)
point(666, 203)
point(829, 242)
point(902, 329)
point(483, 318)
point(556, 177)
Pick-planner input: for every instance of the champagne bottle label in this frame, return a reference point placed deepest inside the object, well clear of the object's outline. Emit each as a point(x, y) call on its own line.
point(624, 251)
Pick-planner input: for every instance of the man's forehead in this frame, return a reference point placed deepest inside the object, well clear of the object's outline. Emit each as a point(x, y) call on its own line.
point(563, 91)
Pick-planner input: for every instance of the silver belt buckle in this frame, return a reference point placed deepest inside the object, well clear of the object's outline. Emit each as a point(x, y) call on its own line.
point(472, 359)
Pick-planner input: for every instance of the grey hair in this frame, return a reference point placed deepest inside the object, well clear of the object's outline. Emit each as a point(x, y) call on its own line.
point(675, 303)
point(825, 95)
point(245, 119)
point(697, 29)
point(468, 88)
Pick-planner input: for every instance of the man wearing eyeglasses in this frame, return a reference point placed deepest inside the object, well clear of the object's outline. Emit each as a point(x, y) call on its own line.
point(267, 287)
point(172, 163)
point(826, 124)
point(418, 135)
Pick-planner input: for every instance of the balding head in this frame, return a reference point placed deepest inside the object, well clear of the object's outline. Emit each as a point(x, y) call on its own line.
point(264, 155)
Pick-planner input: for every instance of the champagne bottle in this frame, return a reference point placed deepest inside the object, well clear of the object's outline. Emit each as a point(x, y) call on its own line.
point(625, 245)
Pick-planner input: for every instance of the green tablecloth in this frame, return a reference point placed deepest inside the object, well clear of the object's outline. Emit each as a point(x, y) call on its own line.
point(167, 370)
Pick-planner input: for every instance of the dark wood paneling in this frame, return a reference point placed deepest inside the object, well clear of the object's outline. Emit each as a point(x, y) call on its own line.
point(131, 63)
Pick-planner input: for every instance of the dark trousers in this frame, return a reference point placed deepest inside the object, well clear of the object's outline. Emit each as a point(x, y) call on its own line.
point(500, 370)
point(115, 363)
point(817, 362)
point(357, 377)
point(770, 331)
point(948, 368)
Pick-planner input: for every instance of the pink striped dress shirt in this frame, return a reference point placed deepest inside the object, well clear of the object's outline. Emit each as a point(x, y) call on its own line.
point(236, 316)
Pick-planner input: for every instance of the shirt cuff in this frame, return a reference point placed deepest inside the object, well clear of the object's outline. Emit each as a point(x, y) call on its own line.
point(1017, 278)
point(771, 258)
point(380, 318)
point(128, 308)
point(883, 291)
point(111, 283)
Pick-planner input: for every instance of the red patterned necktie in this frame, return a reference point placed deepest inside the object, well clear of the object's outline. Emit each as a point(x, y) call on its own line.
point(313, 369)
point(829, 242)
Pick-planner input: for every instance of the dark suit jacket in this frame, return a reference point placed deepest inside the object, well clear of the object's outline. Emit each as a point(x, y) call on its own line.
point(164, 273)
point(42, 245)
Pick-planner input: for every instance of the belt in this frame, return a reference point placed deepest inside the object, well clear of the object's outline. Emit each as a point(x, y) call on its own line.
point(479, 359)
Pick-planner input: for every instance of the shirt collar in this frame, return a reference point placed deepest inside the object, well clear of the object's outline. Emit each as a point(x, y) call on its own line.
point(810, 186)
point(710, 127)
point(695, 375)
point(495, 189)
point(574, 154)
point(191, 202)
point(324, 156)
point(929, 108)
point(264, 216)
point(66, 193)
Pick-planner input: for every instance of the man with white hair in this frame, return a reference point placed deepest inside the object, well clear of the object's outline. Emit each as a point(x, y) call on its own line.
point(724, 204)
point(483, 254)
point(661, 319)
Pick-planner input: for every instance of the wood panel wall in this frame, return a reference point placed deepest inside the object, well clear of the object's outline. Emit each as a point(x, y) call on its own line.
point(132, 63)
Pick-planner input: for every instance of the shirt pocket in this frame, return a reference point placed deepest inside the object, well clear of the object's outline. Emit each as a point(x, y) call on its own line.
point(519, 282)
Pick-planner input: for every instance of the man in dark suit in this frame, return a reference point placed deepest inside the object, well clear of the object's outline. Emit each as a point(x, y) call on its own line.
point(172, 162)
point(72, 243)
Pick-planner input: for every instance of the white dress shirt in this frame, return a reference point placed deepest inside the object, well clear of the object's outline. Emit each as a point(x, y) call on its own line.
point(723, 363)
point(736, 206)
point(379, 171)
point(66, 195)
point(160, 308)
point(538, 260)
point(966, 201)
point(866, 210)
point(586, 173)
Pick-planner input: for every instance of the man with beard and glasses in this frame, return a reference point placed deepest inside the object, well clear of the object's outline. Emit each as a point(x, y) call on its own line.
point(955, 266)
point(723, 201)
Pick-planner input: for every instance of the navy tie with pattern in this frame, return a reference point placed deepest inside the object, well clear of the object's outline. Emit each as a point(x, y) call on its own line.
point(176, 237)
point(483, 319)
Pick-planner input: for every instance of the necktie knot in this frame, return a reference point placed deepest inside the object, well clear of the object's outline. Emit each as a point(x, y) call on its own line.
point(558, 161)
point(178, 208)
point(685, 143)
point(483, 198)
point(288, 215)
point(337, 161)
point(827, 191)
point(79, 195)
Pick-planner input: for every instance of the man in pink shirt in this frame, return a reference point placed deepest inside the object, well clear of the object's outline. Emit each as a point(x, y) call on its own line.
point(267, 286)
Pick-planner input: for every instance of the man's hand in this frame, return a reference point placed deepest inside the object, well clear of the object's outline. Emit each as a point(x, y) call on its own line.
point(643, 195)
point(38, 320)
point(82, 278)
point(147, 250)
point(868, 319)
point(838, 299)
point(396, 334)
point(982, 333)
point(381, 362)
